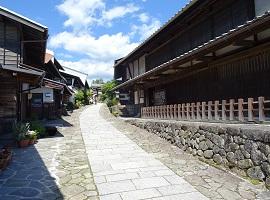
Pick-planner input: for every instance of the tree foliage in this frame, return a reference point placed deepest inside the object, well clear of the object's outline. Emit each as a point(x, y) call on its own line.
point(82, 97)
point(108, 96)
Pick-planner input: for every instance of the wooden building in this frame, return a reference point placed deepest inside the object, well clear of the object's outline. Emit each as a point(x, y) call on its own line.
point(22, 51)
point(209, 51)
point(47, 99)
point(75, 81)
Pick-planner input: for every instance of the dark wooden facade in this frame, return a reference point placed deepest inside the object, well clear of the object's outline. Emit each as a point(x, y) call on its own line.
point(211, 50)
point(22, 51)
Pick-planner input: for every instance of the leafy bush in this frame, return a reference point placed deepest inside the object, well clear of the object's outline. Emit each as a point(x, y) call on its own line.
point(38, 127)
point(20, 130)
point(108, 96)
point(82, 97)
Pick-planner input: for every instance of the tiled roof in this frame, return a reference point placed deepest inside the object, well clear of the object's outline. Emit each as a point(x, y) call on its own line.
point(199, 48)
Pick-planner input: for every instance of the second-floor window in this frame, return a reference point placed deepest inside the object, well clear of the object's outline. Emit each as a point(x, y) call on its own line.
point(9, 44)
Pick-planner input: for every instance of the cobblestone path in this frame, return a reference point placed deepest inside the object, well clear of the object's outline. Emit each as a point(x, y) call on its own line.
point(211, 182)
point(54, 168)
point(124, 171)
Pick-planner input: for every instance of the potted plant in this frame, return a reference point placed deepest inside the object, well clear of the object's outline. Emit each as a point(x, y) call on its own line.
point(32, 135)
point(20, 131)
point(5, 157)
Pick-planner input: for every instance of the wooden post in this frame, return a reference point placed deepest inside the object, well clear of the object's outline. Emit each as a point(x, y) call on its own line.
point(203, 111)
point(171, 111)
point(217, 110)
point(224, 117)
point(183, 111)
point(250, 110)
point(231, 109)
point(168, 111)
point(261, 109)
point(179, 111)
point(192, 111)
point(209, 110)
point(198, 110)
point(188, 111)
point(240, 110)
point(175, 111)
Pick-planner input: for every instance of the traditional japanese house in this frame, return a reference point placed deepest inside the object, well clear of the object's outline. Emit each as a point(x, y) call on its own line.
point(76, 80)
point(212, 59)
point(47, 100)
point(22, 51)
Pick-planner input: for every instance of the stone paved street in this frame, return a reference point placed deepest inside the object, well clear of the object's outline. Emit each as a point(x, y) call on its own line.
point(211, 182)
point(98, 156)
point(54, 168)
point(123, 170)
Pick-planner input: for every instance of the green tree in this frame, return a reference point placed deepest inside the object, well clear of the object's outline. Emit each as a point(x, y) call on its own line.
point(108, 96)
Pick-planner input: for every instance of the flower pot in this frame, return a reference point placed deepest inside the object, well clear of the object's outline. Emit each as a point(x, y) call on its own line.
point(33, 141)
point(23, 143)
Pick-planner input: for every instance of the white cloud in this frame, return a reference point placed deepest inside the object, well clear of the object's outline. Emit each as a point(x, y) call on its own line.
point(119, 11)
point(105, 47)
point(147, 29)
point(98, 52)
point(81, 13)
point(144, 17)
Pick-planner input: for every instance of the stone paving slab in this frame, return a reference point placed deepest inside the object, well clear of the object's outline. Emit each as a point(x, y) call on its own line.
point(208, 180)
point(122, 169)
point(54, 168)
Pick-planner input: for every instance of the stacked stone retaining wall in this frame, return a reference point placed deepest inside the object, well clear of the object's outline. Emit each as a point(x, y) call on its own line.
point(243, 150)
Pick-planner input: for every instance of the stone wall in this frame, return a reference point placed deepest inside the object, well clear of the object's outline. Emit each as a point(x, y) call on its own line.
point(243, 150)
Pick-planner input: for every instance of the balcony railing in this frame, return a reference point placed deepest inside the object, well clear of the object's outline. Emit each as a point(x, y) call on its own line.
point(225, 110)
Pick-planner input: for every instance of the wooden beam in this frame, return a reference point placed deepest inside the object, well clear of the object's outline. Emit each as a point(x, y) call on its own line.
point(244, 43)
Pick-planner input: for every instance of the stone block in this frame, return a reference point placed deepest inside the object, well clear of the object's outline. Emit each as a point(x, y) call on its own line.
point(266, 168)
point(217, 158)
point(208, 154)
point(256, 173)
point(244, 164)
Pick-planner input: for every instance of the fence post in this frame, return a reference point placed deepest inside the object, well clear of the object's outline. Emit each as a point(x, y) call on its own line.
point(168, 111)
point(261, 109)
point(240, 110)
point(203, 111)
point(231, 109)
point(183, 111)
point(217, 110)
point(175, 111)
point(192, 111)
point(188, 111)
point(224, 115)
point(179, 111)
point(209, 110)
point(198, 110)
point(171, 112)
point(250, 110)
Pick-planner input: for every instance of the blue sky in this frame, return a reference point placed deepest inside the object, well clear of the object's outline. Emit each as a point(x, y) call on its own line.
point(88, 35)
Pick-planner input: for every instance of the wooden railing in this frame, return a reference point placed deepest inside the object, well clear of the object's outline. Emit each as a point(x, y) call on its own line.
point(224, 110)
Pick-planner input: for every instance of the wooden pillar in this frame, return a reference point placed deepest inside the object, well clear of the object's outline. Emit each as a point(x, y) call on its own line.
point(209, 110)
point(217, 110)
point(231, 109)
point(250, 110)
point(179, 111)
point(240, 110)
point(261, 109)
point(192, 111)
point(203, 111)
point(175, 111)
point(198, 111)
point(183, 111)
point(188, 111)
